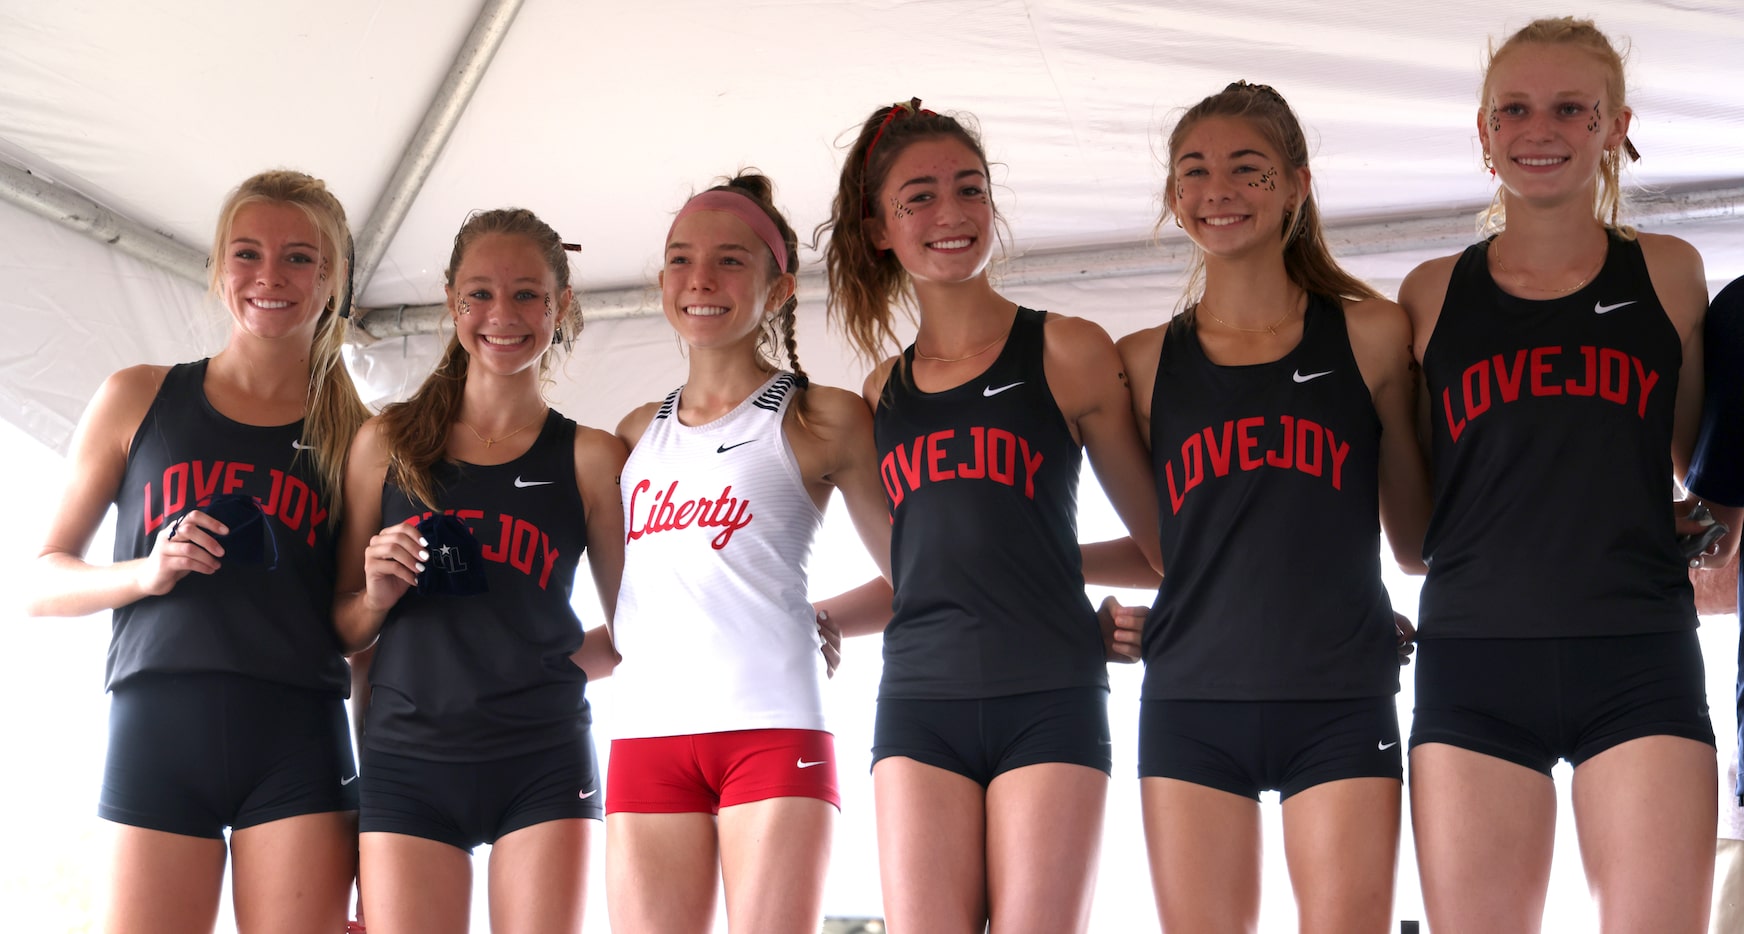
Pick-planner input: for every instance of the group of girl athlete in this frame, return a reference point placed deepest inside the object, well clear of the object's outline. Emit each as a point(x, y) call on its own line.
point(1513, 424)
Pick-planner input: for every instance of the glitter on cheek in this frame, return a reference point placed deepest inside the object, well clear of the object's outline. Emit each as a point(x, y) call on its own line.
point(901, 210)
point(465, 307)
point(1593, 125)
point(1267, 180)
point(1495, 120)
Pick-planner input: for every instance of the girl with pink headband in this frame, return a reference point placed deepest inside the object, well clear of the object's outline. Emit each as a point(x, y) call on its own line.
point(723, 492)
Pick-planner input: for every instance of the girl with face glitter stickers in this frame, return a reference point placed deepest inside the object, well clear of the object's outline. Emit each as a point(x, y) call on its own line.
point(991, 743)
point(478, 726)
point(1279, 411)
point(1563, 363)
point(227, 684)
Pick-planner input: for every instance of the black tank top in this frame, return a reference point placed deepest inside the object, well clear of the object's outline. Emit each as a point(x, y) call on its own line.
point(1552, 429)
point(1270, 524)
point(273, 625)
point(982, 483)
point(488, 676)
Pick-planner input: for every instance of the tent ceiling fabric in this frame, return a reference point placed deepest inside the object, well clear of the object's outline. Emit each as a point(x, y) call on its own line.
point(603, 117)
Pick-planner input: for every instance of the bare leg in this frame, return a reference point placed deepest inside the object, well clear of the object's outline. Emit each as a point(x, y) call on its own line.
point(412, 885)
point(163, 883)
point(538, 878)
point(775, 855)
point(1044, 833)
point(1342, 843)
point(294, 875)
point(660, 872)
point(1646, 812)
point(1485, 828)
point(1204, 847)
point(931, 848)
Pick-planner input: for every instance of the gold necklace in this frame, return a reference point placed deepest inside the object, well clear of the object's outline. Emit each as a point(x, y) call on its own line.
point(490, 441)
point(1497, 253)
point(1271, 329)
point(928, 356)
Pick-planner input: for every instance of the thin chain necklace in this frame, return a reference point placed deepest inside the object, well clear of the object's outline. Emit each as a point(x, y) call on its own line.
point(490, 441)
point(927, 356)
point(1497, 253)
point(1271, 329)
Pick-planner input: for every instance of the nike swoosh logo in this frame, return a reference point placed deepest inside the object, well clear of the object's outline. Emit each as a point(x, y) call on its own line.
point(347, 781)
point(728, 447)
point(1386, 746)
point(1300, 378)
point(523, 484)
point(1602, 309)
point(806, 765)
point(300, 446)
point(588, 794)
point(990, 391)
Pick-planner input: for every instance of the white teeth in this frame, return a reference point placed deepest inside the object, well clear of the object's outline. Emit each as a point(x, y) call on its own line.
point(705, 311)
point(1541, 161)
point(1222, 221)
point(503, 341)
point(268, 305)
point(957, 244)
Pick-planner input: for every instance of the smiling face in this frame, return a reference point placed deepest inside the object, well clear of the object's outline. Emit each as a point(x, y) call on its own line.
point(1548, 116)
point(1230, 190)
point(934, 212)
point(717, 284)
point(273, 271)
point(505, 302)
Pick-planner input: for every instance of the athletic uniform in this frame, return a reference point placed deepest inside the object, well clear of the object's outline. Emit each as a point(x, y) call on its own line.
point(228, 691)
point(1268, 470)
point(1717, 470)
point(719, 527)
point(1557, 618)
point(477, 722)
point(993, 659)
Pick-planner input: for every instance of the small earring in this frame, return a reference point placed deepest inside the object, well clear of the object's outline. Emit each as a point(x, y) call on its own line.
point(1489, 165)
point(557, 335)
point(1178, 222)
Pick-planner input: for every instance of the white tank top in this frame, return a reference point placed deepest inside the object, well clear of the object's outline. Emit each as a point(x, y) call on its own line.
point(713, 621)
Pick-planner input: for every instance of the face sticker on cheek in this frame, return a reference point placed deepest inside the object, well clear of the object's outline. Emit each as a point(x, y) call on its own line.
point(1593, 124)
point(465, 307)
point(1267, 180)
point(900, 209)
point(1495, 119)
point(549, 311)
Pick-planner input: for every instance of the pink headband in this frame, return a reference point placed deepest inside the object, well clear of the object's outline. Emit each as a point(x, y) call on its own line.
point(743, 208)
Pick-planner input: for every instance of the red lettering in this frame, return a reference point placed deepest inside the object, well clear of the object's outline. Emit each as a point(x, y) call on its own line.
point(1541, 369)
point(500, 551)
point(1613, 376)
point(233, 475)
point(935, 453)
point(1287, 458)
point(206, 484)
point(1219, 458)
point(886, 470)
point(910, 468)
point(1649, 379)
point(1176, 498)
point(1340, 451)
point(1477, 375)
point(550, 559)
point(294, 502)
point(978, 437)
point(1509, 380)
point(1304, 447)
point(1591, 385)
point(1454, 426)
point(1245, 439)
point(175, 481)
point(521, 547)
point(1005, 472)
point(1192, 464)
point(1030, 466)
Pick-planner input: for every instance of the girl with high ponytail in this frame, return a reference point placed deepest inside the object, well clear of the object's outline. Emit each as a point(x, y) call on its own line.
point(478, 724)
point(227, 683)
point(722, 495)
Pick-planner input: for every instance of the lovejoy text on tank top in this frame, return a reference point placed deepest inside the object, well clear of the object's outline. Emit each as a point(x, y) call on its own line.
point(982, 484)
point(1267, 496)
point(275, 625)
point(488, 676)
point(1551, 424)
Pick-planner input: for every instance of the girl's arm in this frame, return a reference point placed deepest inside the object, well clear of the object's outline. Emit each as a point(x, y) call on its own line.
point(376, 568)
point(599, 466)
point(65, 584)
point(842, 423)
point(1380, 339)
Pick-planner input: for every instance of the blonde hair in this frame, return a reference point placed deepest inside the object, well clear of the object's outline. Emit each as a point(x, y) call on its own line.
point(1582, 34)
point(1307, 259)
point(334, 411)
point(416, 430)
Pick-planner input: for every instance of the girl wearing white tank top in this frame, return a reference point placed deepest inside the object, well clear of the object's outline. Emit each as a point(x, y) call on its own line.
point(725, 487)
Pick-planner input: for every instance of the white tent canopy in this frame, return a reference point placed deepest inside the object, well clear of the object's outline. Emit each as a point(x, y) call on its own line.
point(603, 117)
